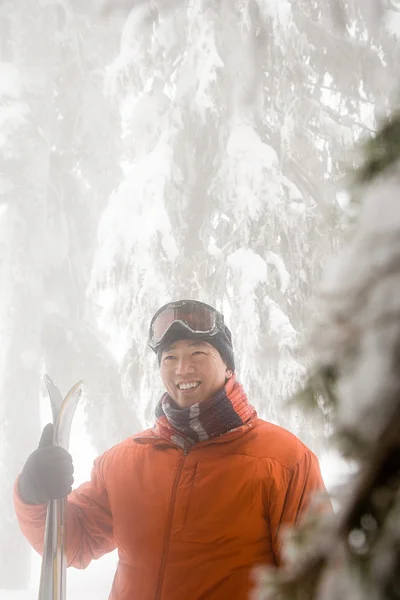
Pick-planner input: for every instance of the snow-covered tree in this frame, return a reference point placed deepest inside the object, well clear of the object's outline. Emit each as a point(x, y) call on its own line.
point(237, 119)
point(355, 377)
point(356, 553)
point(27, 76)
point(59, 161)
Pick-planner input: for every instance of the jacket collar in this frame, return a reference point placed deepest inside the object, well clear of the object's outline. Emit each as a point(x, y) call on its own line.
point(149, 437)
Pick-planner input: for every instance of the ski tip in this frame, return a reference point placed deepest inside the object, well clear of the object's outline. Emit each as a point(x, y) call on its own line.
point(78, 385)
point(77, 388)
point(48, 379)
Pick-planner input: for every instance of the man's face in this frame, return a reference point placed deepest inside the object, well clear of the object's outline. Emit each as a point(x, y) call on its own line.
point(192, 362)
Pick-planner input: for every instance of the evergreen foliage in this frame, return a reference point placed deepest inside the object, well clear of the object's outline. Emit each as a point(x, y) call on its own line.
point(238, 119)
point(356, 552)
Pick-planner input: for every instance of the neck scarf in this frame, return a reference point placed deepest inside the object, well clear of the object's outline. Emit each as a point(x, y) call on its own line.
point(226, 411)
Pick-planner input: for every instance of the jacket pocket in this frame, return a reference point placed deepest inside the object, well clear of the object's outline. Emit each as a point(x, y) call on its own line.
point(222, 507)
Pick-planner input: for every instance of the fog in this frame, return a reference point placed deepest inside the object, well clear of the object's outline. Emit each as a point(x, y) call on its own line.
point(156, 151)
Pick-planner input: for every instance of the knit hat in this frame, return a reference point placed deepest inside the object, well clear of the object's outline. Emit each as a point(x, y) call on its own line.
point(222, 341)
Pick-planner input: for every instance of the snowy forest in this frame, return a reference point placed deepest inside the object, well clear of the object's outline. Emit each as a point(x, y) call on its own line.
point(222, 150)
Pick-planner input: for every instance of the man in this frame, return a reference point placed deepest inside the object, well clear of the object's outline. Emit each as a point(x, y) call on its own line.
point(194, 503)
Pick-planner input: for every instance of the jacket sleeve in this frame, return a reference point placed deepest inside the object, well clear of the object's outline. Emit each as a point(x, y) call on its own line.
point(290, 496)
point(89, 520)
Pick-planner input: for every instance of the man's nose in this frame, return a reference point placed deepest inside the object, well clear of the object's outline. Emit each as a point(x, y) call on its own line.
point(184, 365)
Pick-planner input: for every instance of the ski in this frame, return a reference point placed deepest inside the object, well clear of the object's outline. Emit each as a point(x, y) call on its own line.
point(54, 569)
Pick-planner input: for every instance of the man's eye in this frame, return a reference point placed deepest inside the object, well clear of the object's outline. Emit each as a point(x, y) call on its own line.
point(169, 357)
point(198, 352)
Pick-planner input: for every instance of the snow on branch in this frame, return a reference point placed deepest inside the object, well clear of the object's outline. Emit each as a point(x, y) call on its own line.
point(355, 554)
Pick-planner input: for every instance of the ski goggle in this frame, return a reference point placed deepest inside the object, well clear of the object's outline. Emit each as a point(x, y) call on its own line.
point(198, 318)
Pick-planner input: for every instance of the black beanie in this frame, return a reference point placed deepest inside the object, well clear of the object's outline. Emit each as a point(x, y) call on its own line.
point(222, 341)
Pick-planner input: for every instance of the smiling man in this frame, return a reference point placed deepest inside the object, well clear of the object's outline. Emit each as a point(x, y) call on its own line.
point(185, 359)
point(197, 501)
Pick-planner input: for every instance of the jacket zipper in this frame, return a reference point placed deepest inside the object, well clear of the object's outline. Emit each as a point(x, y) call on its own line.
point(169, 526)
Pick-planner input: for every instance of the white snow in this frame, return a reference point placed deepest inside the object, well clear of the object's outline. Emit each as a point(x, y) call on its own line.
point(249, 180)
point(360, 312)
point(133, 221)
point(279, 10)
point(280, 326)
point(276, 261)
point(245, 141)
point(201, 62)
point(12, 118)
point(335, 470)
point(343, 198)
point(19, 595)
point(93, 583)
point(249, 268)
point(10, 80)
point(391, 22)
point(13, 111)
point(342, 133)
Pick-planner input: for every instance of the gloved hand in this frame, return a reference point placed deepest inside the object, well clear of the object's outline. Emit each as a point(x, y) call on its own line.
point(47, 474)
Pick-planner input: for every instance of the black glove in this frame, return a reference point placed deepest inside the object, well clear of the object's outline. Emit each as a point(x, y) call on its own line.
point(47, 474)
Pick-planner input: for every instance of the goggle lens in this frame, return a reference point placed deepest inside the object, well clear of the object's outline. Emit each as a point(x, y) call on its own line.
point(198, 318)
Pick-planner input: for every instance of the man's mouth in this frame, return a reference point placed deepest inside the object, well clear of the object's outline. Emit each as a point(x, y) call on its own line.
point(190, 385)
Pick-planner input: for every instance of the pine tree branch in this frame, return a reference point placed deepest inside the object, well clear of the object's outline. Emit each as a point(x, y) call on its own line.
point(382, 151)
point(381, 470)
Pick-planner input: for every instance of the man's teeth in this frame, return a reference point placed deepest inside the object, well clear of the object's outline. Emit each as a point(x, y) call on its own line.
point(187, 386)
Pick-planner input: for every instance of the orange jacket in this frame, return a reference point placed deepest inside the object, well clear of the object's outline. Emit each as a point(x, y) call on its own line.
point(188, 526)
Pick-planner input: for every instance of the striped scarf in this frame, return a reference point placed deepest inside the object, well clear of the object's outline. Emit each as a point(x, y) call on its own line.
point(226, 411)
